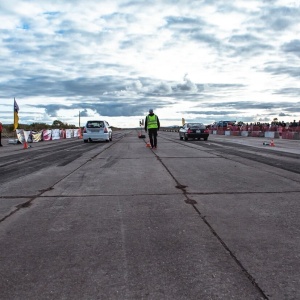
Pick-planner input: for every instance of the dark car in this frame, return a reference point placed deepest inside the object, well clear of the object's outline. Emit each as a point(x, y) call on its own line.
point(222, 124)
point(193, 131)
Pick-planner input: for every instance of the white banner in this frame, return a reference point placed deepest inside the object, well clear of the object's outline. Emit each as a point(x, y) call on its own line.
point(20, 135)
point(69, 133)
point(55, 134)
point(75, 132)
point(26, 135)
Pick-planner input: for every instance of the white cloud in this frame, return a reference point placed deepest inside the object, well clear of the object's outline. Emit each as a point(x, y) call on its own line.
point(117, 58)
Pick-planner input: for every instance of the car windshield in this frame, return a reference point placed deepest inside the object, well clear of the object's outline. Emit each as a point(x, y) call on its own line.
point(95, 124)
point(195, 125)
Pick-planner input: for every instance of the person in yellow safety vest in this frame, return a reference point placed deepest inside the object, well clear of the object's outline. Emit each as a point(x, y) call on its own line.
point(0, 134)
point(152, 125)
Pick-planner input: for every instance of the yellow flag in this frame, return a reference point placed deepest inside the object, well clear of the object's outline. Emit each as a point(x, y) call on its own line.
point(16, 115)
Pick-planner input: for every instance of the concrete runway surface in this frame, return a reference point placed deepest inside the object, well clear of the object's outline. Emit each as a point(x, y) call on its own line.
point(216, 219)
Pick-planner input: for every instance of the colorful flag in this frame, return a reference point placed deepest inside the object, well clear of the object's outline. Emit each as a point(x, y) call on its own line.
point(16, 116)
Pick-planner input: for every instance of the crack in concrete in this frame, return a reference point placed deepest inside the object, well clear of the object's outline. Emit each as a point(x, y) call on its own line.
point(138, 194)
point(237, 261)
point(193, 204)
point(178, 186)
point(29, 202)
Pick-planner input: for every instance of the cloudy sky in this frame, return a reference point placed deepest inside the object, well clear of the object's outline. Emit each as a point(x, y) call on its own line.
point(202, 60)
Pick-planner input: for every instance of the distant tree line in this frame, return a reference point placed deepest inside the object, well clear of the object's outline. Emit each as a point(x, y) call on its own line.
point(40, 126)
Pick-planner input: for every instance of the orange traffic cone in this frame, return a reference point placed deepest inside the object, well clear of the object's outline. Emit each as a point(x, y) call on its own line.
point(272, 143)
point(25, 146)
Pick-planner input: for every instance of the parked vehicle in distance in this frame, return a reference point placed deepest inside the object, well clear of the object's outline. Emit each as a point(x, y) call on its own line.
point(222, 124)
point(97, 130)
point(193, 131)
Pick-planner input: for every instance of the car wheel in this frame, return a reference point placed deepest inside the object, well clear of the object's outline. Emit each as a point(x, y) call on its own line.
point(186, 138)
point(110, 138)
point(198, 139)
point(180, 137)
point(205, 139)
point(85, 141)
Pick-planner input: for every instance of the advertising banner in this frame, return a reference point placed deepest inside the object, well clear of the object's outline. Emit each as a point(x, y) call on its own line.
point(62, 133)
point(20, 135)
point(55, 134)
point(69, 133)
point(27, 136)
point(37, 136)
point(47, 135)
point(75, 132)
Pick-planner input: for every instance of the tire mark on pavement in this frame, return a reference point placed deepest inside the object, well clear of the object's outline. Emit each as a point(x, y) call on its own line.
point(28, 203)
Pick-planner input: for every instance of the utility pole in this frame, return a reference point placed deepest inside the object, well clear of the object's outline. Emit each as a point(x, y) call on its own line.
point(79, 119)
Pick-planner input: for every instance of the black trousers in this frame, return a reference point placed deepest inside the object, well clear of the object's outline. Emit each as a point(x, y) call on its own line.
point(153, 136)
point(0, 138)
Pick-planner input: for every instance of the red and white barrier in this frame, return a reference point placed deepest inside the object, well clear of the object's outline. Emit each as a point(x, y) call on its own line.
point(273, 132)
point(235, 133)
point(257, 134)
point(245, 133)
point(291, 135)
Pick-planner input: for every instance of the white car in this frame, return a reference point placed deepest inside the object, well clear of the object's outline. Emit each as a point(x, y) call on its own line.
point(97, 131)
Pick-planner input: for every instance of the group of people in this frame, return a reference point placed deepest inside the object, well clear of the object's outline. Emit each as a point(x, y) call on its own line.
point(256, 124)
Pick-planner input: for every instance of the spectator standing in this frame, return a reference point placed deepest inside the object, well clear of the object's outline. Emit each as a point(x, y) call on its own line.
point(152, 125)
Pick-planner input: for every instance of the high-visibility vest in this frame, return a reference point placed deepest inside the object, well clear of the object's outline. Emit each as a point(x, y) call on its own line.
point(152, 122)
